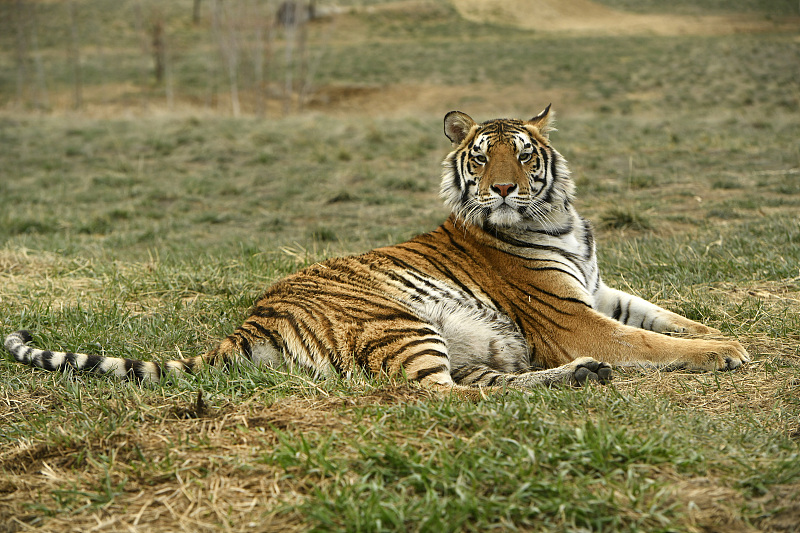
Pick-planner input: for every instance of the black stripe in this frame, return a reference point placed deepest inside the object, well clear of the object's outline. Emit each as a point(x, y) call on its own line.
point(588, 237)
point(270, 335)
point(437, 291)
point(617, 311)
point(483, 374)
point(549, 170)
point(461, 372)
point(46, 360)
point(422, 374)
point(407, 283)
point(524, 291)
point(493, 379)
point(568, 273)
point(596, 283)
point(263, 331)
point(624, 317)
point(385, 363)
point(422, 340)
point(24, 355)
point(452, 277)
point(473, 370)
point(458, 173)
point(92, 362)
point(72, 360)
point(507, 239)
point(429, 352)
point(448, 275)
point(452, 240)
point(539, 319)
point(320, 312)
point(317, 309)
point(389, 337)
point(189, 365)
point(246, 348)
point(558, 232)
point(303, 334)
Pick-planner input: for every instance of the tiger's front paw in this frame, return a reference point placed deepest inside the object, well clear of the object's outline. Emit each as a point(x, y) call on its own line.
point(587, 370)
point(734, 356)
point(692, 328)
point(669, 322)
point(722, 355)
point(701, 329)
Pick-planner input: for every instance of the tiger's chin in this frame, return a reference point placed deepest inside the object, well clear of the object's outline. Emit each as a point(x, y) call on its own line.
point(504, 217)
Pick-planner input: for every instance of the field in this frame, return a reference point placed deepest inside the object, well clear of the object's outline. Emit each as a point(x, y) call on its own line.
point(145, 226)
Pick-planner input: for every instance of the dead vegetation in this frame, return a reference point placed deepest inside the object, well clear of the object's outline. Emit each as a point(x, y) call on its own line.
point(219, 478)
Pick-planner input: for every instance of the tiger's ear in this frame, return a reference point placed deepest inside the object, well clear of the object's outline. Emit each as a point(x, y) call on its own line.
point(457, 126)
point(542, 121)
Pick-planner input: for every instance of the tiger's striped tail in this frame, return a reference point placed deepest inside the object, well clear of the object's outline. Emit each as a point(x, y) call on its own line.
point(126, 369)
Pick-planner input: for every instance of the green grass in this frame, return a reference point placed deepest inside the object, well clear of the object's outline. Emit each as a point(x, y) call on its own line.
point(150, 237)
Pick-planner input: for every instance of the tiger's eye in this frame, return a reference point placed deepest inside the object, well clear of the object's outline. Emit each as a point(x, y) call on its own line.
point(524, 158)
point(480, 159)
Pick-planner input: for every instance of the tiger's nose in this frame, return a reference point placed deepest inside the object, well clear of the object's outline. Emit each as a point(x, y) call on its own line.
point(503, 189)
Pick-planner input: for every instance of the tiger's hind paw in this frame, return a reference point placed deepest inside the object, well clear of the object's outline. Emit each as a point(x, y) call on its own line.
point(588, 370)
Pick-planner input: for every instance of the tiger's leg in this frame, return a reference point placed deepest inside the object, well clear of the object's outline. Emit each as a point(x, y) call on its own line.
point(577, 372)
point(637, 312)
point(589, 333)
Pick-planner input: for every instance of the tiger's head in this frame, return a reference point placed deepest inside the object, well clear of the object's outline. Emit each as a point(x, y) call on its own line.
point(504, 173)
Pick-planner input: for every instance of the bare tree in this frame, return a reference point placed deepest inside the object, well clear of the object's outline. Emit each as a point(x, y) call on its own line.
point(258, 70)
point(302, 50)
point(262, 55)
point(287, 15)
point(161, 59)
point(158, 48)
point(308, 83)
point(140, 30)
point(229, 50)
point(42, 97)
point(74, 55)
point(294, 16)
point(21, 53)
point(196, 13)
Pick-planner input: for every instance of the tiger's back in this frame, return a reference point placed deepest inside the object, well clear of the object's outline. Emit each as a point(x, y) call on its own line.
point(506, 292)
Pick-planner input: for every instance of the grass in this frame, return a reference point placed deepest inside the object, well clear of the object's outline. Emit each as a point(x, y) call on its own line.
point(150, 237)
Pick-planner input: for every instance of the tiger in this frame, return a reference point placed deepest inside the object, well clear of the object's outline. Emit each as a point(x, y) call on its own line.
point(505, 294)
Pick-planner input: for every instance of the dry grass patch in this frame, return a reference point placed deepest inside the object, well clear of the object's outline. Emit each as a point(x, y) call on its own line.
point(754, 389)
point(711, 506)
point(162, 470)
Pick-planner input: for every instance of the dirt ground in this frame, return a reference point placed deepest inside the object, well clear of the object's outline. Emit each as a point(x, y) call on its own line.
point(584, 16)
point(415, 99)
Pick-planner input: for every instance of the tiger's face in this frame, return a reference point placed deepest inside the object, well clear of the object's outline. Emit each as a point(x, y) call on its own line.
point(503, 173)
